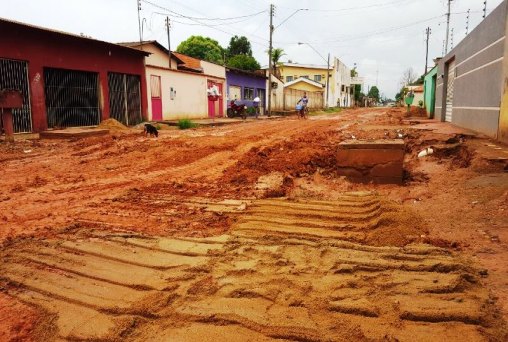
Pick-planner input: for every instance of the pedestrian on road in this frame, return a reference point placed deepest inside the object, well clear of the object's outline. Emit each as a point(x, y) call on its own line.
point(303, 107)
point(255, 103)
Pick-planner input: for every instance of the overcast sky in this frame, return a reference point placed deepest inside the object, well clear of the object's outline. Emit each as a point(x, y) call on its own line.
point(383, 37)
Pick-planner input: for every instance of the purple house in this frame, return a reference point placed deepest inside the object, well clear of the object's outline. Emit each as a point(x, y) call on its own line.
point(245, 86)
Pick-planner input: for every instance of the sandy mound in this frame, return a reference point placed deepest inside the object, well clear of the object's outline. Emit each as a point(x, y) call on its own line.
point(113, 125)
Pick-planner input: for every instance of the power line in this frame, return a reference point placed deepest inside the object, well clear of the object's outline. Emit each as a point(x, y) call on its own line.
point(203, 18)
point(352, 8)
point(173, 13)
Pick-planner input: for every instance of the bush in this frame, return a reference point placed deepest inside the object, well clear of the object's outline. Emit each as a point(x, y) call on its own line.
point(186, 124)
point(251, 111)
point(420, 104)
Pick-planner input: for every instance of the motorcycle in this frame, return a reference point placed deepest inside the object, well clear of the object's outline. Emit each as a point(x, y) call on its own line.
point(237, 110)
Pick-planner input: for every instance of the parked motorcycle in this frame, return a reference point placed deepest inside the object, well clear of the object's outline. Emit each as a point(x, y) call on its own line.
point(237, 110)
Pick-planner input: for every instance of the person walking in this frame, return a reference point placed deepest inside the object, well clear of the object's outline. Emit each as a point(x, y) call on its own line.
point(255, 104)
point(304, 101)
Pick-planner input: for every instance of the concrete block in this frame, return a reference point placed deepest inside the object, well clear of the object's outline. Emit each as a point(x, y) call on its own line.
point(378, 161)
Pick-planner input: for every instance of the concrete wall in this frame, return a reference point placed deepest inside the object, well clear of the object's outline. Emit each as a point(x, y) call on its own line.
point(503, 116)
point(189, 98)
point(479, 76)
point(43, 48)
point(340, 78)
point(277, 95)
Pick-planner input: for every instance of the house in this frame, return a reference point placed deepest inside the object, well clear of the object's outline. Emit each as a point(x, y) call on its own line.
point(429, 91)
point(180, 88)
point(472, 79)
point(341, 86)
point(290, 72)
point(245, 86)
point(70, 80)
point(417, 91)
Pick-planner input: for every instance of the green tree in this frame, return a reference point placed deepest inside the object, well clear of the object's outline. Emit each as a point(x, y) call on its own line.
point(374, 93)
point(243, 62)
point(354, 73)
point(202, 48)
point(239, 46)
point(276, 56)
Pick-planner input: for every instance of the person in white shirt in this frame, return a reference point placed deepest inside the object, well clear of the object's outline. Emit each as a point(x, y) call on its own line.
point(255, 103)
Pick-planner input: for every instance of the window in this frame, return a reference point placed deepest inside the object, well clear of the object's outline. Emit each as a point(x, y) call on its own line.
point(289, 78)
point(306, 76)
point(295, 77)
point(317, 78)
point(248, 93)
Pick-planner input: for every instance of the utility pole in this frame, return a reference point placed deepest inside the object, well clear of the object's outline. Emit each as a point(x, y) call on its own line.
point(451, 48)
point(467, 21)
point(272, 7)
point(139, 23)
point(328, 82)
point(442, 51)
point(428, 32)
point(484, 9)
point(448, 25)
point(168, 25)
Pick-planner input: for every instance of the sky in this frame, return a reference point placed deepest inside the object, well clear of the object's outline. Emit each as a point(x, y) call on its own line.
point(382, 37)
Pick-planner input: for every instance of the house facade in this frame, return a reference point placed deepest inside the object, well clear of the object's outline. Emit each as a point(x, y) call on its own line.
point(341, 86)
point(429, 92)
point(177, 87)
point(245, 86)
point(69, 80)
point(472, 79)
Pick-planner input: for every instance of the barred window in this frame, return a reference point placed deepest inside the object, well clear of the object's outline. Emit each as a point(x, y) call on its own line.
point(248, 93)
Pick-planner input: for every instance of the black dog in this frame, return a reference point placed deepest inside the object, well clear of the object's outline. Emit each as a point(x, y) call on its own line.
point(150, 129)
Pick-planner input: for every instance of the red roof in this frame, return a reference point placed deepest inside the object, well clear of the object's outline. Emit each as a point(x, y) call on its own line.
point(189, 62)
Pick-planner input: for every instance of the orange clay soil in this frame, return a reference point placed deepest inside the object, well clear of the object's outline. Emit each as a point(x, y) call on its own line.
point(245, 232)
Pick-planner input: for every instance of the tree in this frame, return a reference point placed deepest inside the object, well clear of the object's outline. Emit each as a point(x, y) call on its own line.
point(239, 46)
point(354, 73)
point(276, 56)
point(202, 48)
point(374, 93)
point(399, 97)
point(243, 62)
point(408, 77)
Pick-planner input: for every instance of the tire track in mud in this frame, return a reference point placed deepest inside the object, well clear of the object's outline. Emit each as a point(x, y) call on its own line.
point(290, 270)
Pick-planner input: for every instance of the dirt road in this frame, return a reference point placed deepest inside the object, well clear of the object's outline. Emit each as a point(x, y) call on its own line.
point(245, 232)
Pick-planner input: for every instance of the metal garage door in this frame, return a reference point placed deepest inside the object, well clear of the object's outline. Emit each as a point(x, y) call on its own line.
point(14, 75)
point(72, 98)
point(449, 91)
point(125, 98)
point(235, 93)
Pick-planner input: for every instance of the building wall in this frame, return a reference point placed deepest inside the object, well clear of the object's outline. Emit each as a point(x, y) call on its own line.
point(189, 98)
point(341, 76)
point(479, 76)
point(503, 116)
point(277, 95)
point(244, 81)
point(301, 72)
point(430, 91)
point(305, 87)
point(213, 69)
point(50, 49)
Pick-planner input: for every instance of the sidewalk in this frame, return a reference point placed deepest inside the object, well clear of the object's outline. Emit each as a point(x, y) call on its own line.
point(221, 121)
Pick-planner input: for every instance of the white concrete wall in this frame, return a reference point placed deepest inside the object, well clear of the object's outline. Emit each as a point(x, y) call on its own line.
point(213, 69)
point(190, 100)
point(341, 76)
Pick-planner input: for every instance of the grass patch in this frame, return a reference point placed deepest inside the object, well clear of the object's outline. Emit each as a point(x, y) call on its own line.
point(186, 124)
point(331, 110)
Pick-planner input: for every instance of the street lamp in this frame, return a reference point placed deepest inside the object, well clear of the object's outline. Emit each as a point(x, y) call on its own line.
point(327, 70)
